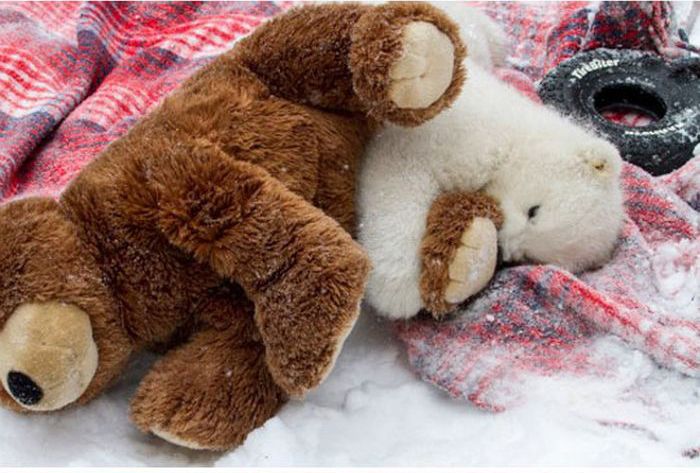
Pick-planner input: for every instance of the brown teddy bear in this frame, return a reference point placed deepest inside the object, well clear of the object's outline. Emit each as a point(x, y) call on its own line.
point(220, 227)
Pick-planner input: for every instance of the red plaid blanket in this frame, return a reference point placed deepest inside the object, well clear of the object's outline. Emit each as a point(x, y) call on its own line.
point(540, 320)
point(74, 76)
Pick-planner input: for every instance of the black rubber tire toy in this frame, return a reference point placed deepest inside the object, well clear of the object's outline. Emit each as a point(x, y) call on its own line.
point(590, 83)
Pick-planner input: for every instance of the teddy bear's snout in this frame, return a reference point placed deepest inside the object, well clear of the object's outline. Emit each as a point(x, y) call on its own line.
point(47, 355)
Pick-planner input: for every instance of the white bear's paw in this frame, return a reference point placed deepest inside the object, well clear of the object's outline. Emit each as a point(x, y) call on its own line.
point(425, 69)
point(474, 262)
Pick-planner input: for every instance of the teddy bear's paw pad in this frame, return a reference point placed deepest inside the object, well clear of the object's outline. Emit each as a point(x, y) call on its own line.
point(474, 262)
point(425, 69)
point(177, 440)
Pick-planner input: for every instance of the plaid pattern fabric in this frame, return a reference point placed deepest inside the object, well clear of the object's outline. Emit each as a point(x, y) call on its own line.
point(542, 320)
point(74, 76)
point(544, 34)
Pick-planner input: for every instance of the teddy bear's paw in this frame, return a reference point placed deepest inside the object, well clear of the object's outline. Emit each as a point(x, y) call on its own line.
point(406, 61)
point(209, 393)
point(425, 68)
point(177, 440)
point(474, 262)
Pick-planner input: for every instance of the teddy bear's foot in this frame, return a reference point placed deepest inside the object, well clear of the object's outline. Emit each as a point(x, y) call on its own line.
point(474, 262)
point(425, 69)
point(406, 61)
point(305, 315)
point(207, 394)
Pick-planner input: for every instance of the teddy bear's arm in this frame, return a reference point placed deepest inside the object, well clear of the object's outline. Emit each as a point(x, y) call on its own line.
point(399, 61)
point(459, 249)
point(303, 272)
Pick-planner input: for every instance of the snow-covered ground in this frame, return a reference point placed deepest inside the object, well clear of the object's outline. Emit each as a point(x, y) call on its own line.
point(373, 411)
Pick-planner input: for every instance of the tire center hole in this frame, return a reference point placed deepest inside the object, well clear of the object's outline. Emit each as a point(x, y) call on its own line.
point(629, 104)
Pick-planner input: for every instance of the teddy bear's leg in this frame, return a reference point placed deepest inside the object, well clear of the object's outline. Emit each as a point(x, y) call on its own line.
point(459, 249)
point(304, 273)
point(210, 392)
point(400, 61)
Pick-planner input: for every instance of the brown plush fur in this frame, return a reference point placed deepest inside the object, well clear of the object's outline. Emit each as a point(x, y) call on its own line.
point(449, 217)
point(222, 219)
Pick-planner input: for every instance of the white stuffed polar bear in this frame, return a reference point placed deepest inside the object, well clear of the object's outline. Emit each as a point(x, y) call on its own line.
point(435, 202)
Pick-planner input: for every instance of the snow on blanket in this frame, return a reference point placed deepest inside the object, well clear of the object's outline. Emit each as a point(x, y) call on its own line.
point(75, 76)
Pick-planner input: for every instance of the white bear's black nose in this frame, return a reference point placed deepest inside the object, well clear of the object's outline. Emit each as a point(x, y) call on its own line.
point(23, 388)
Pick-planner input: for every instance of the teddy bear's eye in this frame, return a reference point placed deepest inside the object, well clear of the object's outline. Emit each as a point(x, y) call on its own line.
point(532, 212)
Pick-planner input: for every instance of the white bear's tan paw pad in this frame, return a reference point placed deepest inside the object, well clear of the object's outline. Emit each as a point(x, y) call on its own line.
point(425, 69)
point(474, 262)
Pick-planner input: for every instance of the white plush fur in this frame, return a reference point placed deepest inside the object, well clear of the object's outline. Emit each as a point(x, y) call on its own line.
point(495, 140)
point(486, 42)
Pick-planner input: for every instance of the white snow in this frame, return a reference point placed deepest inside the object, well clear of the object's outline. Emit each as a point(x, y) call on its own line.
point(685, 15)
point(373, 411)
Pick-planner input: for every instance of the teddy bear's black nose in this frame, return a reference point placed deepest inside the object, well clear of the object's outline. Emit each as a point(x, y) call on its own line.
point(23, 388)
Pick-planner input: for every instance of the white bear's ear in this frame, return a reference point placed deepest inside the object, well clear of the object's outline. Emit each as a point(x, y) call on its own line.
point(603, 164)
point(600, 166)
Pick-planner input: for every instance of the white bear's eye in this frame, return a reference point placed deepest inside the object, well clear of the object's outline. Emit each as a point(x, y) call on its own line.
point(532, 212)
